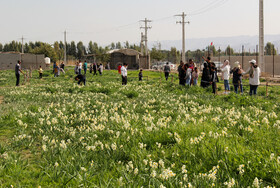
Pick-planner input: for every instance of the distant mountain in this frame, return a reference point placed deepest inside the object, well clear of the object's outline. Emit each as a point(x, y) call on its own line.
point(236, 42)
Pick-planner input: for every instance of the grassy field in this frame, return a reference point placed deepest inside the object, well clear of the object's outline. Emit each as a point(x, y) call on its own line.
point(54, 133)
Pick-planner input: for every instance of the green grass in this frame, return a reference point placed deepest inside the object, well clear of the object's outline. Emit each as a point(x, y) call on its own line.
point(54, 133)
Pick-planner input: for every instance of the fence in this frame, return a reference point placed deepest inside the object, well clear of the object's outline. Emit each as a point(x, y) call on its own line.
point(272, 63)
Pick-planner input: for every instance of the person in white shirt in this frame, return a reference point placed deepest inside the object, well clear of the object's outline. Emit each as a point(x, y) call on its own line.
point(226, 73)
point(254, 78)
point(100, 69)
point(80, 67)
point(124, 74)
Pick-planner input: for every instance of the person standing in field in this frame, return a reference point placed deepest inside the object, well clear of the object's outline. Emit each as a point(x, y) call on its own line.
point(124, 74)
point(56, 70)
point(226, 73)
point(206, 74)
point(40, 72)
point(18, 71)
point(140, 75)
point(85, 67)
point(182, 73)
point(100, 69)
point(214, 78)
point(94, 67)
point(188, 74)
point(76, 69)
point(80, 67)
point(191, 65)
point(195, 76)
point(205, 79)
point(166, 71)
point(254, 76)
point(237, 77)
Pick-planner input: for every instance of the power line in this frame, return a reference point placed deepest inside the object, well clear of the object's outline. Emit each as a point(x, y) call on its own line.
point(209, 7)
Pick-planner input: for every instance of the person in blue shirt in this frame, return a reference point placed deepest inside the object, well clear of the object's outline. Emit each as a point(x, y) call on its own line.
point(85, 67)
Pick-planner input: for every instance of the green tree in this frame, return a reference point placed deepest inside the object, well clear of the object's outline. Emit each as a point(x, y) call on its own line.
point(27, 48)
point(73, 49)
point(58, 51)
point(229, 51)
point(126, 45)
point(102, 54)
point(156, 54)
point(113, 46)
point(269, 48)
point(135, 47)
point(81, 50)
point(174, 55)
point(92, 48)
point(47, 50)
point(118, 45)
point(1, 47)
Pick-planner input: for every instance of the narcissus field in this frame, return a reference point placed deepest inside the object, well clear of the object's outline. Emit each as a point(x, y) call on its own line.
point(55, 133)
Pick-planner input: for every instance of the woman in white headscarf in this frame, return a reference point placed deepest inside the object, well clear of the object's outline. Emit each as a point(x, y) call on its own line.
point(254, 78)
point(226, 73)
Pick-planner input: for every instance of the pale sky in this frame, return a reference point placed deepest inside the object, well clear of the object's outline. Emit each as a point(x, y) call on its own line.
point(106, 21)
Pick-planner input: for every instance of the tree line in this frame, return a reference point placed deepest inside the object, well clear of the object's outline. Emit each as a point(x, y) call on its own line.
point(77, 51)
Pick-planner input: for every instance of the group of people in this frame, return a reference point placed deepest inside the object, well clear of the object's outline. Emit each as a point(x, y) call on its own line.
point(188, 74)
point(237, 72)
point(94, 67)
point(57, 68)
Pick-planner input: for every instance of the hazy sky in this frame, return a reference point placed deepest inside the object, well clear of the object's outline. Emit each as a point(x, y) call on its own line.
point(106, 21)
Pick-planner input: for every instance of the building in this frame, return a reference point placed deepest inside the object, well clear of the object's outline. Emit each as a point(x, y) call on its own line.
point(8, 60)
point(131, 57)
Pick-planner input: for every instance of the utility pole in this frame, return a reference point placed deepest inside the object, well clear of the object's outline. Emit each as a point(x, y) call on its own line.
point(146, 21)
point(261, 37)
point(242, 56)
point(22, 49)
point(65, 46)
point(141, 44)
point(183, 15)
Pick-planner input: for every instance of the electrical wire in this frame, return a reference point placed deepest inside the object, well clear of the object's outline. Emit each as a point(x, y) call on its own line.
point(209, 7)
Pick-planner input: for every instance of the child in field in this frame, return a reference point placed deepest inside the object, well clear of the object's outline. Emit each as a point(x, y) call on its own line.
point(40, 72)
point(140, 75)
point(195, 76)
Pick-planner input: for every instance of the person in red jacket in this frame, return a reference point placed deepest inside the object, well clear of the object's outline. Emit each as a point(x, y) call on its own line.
point(119, 69)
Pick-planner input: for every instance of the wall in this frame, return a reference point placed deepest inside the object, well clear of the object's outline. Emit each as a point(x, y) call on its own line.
point(246, 59)
point(29, 61)
point(8, 60)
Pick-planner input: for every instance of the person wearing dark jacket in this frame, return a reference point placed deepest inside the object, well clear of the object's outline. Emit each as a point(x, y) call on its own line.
point(140, 75)
point(81, 79)
point(182, 73)
point(237, 77)
point(206, 73)
point(214, 78)
point(205, 79)
point(166, 71)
